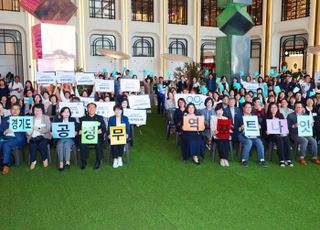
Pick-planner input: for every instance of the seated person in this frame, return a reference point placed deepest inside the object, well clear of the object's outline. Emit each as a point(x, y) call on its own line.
point(10, 140)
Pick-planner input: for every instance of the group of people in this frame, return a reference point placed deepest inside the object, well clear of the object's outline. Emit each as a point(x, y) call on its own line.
point(273, 97)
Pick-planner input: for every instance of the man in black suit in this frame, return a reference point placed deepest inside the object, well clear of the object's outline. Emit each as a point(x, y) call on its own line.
point(230, 111)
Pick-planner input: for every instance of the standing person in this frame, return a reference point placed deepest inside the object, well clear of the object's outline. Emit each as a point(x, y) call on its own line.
point(302, 141)
point(64, 145)
point(9, 139)
point(4, 90)
point(162, 91)
point(39, 136)
point(16, 88)
point(118, 120)
point(92, 116)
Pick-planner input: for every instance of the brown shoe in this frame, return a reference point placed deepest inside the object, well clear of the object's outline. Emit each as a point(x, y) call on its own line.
point(32, 165)
point(5, 170)
point(45, 163)
point(303, 162)
point(316, 161)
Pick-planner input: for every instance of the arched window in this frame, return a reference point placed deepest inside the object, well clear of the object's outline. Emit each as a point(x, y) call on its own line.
point(142, 10)
point(178, 46)
point(102, 9)
point(255, 11)
point(293, 9)
point(101, 41)
point(178, 12)
point(11, 52)
point(293, 50)
point(208, 50)
point(143, 46)
point(10, 5)
point(209, 12)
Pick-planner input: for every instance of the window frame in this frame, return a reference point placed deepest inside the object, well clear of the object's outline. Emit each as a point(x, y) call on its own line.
point(104, 38)
point(176, 42)
point(150, 10)
point(213, 10)
point(15, 6)
point(170, 9)
point(143, 40)
point(285, 13)
point(93, 9)
point(256, 12)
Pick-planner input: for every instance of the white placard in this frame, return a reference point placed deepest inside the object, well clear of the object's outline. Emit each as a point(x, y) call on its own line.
point(65, 77)
point(45, 78)
point(196, 99)
point(305, 128)
point(86, 100)
point(251, 126)
point(136, 117)
point(139, 102)
point(77, 108)
point(249, 86)
point(130, 85)
point(104, 85)
point(85, 78)
point(317, 77)
point(105, 109)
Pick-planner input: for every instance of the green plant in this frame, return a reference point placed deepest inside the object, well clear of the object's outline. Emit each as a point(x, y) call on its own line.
point(189, 70)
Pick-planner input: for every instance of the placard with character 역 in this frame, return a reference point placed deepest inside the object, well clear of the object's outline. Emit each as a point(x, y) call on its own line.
point(193, 123)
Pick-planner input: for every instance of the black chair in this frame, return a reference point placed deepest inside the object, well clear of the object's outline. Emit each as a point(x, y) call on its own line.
point(170, 121)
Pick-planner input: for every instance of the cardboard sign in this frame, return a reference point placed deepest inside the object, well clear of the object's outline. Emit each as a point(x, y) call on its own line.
point(305, 128)
point(65, 77)
point(85, 78)
point(277, 126)
point(223, 128)
point(21, 123)
point(136, 117)
point(130, 85)
point(63, 130)
point(45, 78)
point(139, 101)
point(118, 135)
point(251, 126)
point(193, 123)
point(104, 85)
point(89, 132)
point(77, 108)
point(196, 99)
point(105, 109)
point(250, 86)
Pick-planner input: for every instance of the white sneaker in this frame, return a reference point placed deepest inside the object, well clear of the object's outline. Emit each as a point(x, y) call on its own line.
point(115, 163)
point(226, 163)
point(222, 163)
point(120, 161)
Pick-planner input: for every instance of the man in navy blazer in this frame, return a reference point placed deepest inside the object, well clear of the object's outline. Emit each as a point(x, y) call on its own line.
point(302, 141)
point(230, 111)
point(10, 140)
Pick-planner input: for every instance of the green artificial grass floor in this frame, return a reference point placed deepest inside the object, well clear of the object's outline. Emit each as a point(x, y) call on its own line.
point(157, 190)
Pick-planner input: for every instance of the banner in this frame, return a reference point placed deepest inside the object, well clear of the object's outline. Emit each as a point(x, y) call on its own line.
point(85, 78)
point(250, 86)
point(139, 101)
point(223, 127)
point(63, 130)
point(45, 78)
point(305, 128)
point(104, 85)
point(193, 123)
point(77, 108)
point(65, 77)
point(251, 126)
point(21, 123)
point(118, 135)
point(105, 109)
point(130, 85)
point(196, 99)
point(136, 117)
point(89, 132)
point(277, 126)
point(317, 77)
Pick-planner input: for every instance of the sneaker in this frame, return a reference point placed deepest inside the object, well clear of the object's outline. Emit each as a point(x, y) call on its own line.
point(45, 163)
point(282, 164)
point(115, 163)
point(289, 163)
point(120, 161)
point(263, 163)
point(33, 165)
point(245, 164)
point(226, 163)
point(222, 163)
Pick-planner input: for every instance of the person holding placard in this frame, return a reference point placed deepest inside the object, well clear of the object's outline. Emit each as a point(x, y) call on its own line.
point(223, 144)
point(39, 136)
point(9, 139)
point(64, 145)
point(101, 130)
point(281, 139)
point(303, 141)
point(245, 139)
point(115, 121)
point(193, 144)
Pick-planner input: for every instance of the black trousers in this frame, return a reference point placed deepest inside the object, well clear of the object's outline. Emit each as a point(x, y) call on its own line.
point(84, 151)
point(223, 147)
point(117, 150)
point(283, 146)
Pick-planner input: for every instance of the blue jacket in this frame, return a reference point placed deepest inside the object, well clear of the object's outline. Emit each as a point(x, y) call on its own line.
point(124, 120)
point(19, 136)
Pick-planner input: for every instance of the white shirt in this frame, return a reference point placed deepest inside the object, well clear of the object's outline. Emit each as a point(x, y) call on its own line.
point(14, 86)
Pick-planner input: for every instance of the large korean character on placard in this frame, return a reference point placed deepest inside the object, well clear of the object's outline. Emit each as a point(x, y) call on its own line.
point(118, 135)
point(193, 123)
point(305, 128)
point(223, 127)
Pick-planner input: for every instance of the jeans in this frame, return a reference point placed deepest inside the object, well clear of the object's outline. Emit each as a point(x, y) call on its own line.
point(161, 100)
point(42, 146)
point(283, 146)
point(303, 142)
point(247, 146)
point(7, 146)
point(64, 149)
